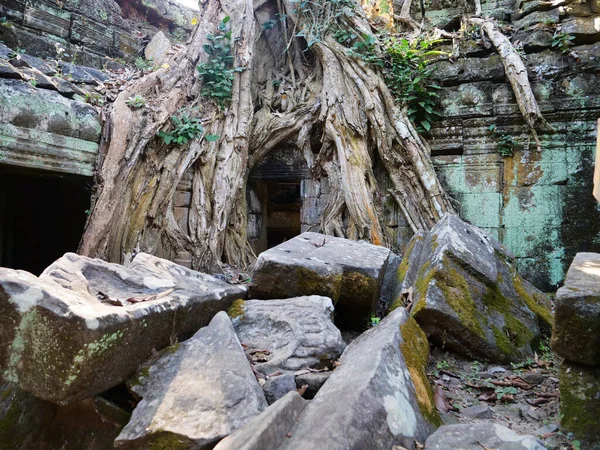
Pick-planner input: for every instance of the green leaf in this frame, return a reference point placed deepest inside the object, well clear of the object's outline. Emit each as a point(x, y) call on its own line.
point(212, 137)
point(426, 125)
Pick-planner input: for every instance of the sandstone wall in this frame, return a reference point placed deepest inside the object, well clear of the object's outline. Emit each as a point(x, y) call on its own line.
point(94, 32)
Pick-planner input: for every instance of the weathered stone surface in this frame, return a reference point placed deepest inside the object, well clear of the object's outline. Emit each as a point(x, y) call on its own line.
point(277, 386)
point(408, 270)
point(62, 343)
point(195, 393)
point(469, 297)
point(480, 435)
point(23, 418)
point(379, 396)
point(348, 272)
point(576, 331)
point(585, 29)
point(580, 402)
point(158, 49)
point(297, 332)
point(269, 429)
point(41, 129)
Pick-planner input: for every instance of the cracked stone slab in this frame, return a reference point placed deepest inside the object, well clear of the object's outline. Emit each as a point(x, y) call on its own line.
point(378, 396)
point(349, 272)
point(63, 343)
point(195, 393)
point(297, 332)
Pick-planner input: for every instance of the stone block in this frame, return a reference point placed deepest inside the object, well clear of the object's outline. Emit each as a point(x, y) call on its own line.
point(63, 333)
point(551, 16)
point(278, 386)
point(468, 297)
point(481, 209)
point(269, 429)
point(310, 188)
point(309, 212)
point(182, 198)
point(348, 272)
point(378, 396)
point(92, 35)
point(467, 100)
point(158, 49)
point(297, 333)
point(579, 402)
point(585, 29)
point(576, 331)
point(194, 394)
point(182, 216)
point(45, 18)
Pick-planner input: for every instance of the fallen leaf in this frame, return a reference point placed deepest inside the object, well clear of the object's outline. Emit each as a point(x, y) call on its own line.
point(317, 244)
point(488, 396)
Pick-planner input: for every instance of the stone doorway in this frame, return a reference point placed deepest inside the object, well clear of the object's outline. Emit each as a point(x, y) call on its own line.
point(42, 216)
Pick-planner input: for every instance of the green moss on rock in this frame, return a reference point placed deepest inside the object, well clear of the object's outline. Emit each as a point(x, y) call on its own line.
point(534, 304)
point(167, 441)
point(579, 401)
point(415, 349)
point(236, 309)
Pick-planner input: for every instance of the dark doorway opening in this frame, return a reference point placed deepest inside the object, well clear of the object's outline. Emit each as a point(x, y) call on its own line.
point(283, 212)
point(42, 216)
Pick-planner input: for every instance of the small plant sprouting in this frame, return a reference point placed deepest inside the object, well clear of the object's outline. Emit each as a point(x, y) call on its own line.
point(145, 65)
point(506, 143)
point(136, 102)
point(562, 41)
point(94, 99)
point(185, 129)
point(503, 391)
point(16, 54)
point(375, 321)
point(217, 73)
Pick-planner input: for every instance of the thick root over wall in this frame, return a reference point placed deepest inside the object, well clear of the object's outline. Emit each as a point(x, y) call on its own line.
point(337, 112)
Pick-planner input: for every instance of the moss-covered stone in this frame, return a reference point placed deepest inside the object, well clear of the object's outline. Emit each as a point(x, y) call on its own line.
point(415, 350)
point(579, 402)
point(536, 303)
point(236, 310)
point(168, 441)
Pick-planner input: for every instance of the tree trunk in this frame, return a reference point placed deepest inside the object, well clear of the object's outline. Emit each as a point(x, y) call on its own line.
point(329, 92)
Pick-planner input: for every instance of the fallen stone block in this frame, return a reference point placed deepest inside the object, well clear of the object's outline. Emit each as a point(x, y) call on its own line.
point(290, 334)
point(468, 297)
point(576, 331)
point(85, 325)
point(475, 436)
point(195, 393)
point(580, 402)
point(349, 272)
point(269, 429)
point(379, 396)
point(312, 381)
point(157, 50)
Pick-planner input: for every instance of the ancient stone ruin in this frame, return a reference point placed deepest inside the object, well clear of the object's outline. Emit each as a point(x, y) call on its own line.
point(277, 224)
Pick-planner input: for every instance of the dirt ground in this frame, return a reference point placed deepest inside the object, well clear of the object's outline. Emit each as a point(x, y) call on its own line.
point(523, 397)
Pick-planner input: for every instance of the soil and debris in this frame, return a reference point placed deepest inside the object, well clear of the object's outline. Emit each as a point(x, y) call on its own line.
point(523, 397)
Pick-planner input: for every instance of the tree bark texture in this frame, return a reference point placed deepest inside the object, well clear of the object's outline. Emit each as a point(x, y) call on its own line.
point(287, 95)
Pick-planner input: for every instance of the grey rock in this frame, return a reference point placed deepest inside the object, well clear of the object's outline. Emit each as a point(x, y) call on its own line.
point(269, 429)
point(158, 49)
point(478, 412)
point(313, 382)
point(576, 331)
point(375, 397)
point(348, 272)
point(8, 71)
point(469, 297)
point(477, 435)
point(550, 428)
point(297, 332)
point(277, 386)
point(585, 29)
point(408, 270)
point(62, 343)
point(194, 394)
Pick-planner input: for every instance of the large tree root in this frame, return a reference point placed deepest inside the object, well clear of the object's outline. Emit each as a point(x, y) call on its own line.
point(516, 72)
point(339, 99)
